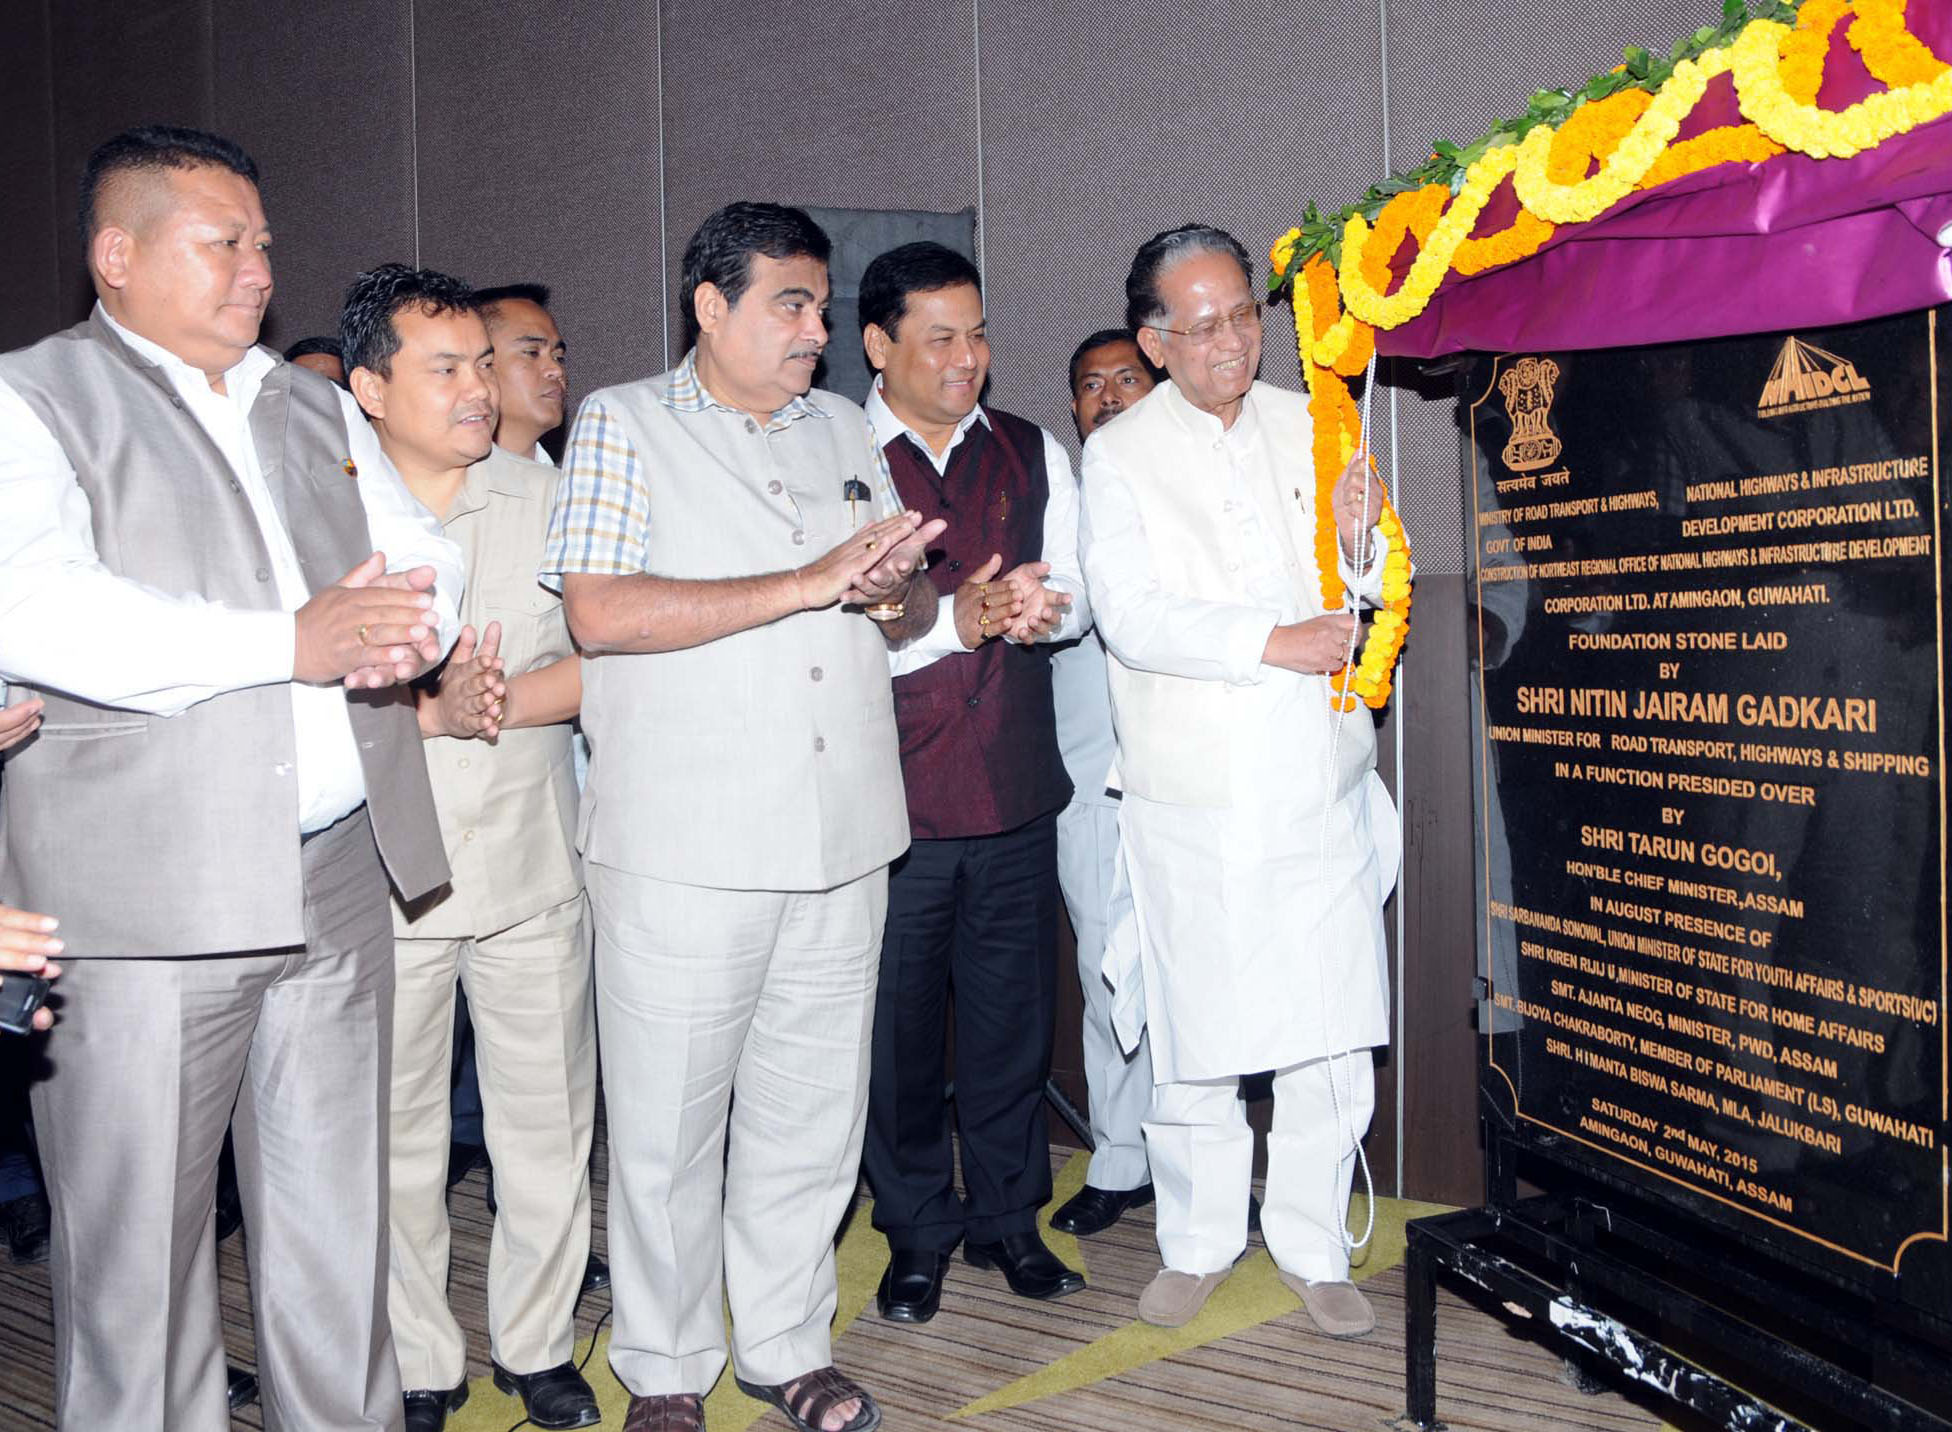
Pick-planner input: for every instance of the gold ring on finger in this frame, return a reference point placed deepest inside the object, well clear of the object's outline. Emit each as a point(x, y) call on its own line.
point(872, 544)
point(361, 633)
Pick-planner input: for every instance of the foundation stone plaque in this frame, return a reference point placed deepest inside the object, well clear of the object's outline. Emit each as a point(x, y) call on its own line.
point(1708, 682)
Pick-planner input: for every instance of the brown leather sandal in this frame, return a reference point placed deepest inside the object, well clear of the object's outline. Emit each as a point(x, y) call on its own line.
point(820, 1392)
point(667, 1412)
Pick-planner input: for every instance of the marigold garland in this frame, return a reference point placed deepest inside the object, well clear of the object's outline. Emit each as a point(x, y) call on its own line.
point(1337, 430)
point(1803, 51)
point(1594, 132)
point(1415, 212)
point(1728, 144)
point(1520, 239)
point(1628, 139)
point(1891, 52)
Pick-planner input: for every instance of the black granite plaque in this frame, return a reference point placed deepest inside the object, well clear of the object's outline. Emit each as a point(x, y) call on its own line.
point(1708, 675)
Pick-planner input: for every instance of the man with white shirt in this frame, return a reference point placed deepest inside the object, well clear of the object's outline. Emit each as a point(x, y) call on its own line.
point(1108, 374)
point(1257, 841)
point(974, 902)
point(211, 576)
point(531, 366)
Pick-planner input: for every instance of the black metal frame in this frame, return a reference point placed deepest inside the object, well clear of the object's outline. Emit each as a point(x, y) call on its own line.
point(1585, 1268)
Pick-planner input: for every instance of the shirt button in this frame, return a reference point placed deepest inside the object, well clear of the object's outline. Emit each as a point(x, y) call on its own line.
point(775, 487)
point(819, 743)
point(799, 538)
point(1233, 566)
point(467, 835)
point(462, 763)
point(264, 574)
point(974, 702)
point(817, 673)
point(751, 426)
point(236, 486)
point(955, 564)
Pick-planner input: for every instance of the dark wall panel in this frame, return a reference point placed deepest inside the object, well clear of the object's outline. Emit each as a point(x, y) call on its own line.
point(1097, 135)
point(538, 160)
point(116, 65)
point(832, 110)
point(30, 284)
point(1454, 70)
point(321, 95)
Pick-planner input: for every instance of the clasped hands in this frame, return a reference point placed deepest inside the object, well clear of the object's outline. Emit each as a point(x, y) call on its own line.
point(1016, 605)
point(371, 628)
point(874, 564)
point(471, 699)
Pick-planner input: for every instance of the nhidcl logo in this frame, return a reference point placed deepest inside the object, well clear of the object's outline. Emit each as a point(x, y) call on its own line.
point(1807, 377)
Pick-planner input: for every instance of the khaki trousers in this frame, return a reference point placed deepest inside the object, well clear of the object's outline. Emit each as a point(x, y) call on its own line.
point(147, 1062)
point(735, 1061)
point(529, 995)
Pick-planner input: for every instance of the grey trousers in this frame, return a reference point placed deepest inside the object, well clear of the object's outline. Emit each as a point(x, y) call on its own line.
point(147, 1061)
point(719, 1201)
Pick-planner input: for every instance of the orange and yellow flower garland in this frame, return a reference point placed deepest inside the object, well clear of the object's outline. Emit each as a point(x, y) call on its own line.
point(1605, 149)
point(1337, 427)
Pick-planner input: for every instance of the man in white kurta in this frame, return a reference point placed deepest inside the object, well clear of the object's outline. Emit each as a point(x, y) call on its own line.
point(1258, 842)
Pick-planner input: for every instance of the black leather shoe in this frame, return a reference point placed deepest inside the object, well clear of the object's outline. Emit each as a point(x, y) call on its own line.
point(25, 1222)
point(427, 1407)
point(1093, 1210)
point(911, 1289)
point(1032, 1269)
point(555, 1397)
point(596, 1275)
point(243, 1387)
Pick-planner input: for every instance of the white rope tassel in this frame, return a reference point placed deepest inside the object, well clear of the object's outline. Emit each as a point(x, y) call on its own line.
point(1344, 1116)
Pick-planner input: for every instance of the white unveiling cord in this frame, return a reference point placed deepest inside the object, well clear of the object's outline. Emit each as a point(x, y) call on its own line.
point(1345, 1133)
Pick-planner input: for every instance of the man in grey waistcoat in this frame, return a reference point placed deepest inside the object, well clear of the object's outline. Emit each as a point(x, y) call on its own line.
point(214, 581)
point(743, 804)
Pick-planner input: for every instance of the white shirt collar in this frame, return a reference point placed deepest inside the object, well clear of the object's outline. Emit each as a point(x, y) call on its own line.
point(248, 371)
point(1205, 426)
point(888, 427)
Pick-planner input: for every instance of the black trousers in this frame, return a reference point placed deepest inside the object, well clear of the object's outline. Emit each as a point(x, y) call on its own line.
point(979, 917)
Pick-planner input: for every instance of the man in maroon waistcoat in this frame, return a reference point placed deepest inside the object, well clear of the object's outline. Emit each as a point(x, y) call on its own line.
point(973, 904)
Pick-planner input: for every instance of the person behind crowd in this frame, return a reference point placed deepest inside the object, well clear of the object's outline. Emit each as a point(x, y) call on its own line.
point(1257, 872)
point(1108, 374)
point(212, 577)
point(511, 925)
point(28, 946)
point(974, 901)
point(531, 366)
point(744, 801)
point(321, 355)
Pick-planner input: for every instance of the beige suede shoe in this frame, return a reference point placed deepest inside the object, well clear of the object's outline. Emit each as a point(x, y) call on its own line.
point(1339, 1309)
point(1172, 1299)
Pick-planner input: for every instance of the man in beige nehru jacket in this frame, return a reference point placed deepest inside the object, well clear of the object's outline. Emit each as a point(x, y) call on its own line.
point(719, 531)
point(211, 574)
point(511, 925)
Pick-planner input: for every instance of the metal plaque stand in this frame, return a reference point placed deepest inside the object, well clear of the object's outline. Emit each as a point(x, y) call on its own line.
point(1579, 1269)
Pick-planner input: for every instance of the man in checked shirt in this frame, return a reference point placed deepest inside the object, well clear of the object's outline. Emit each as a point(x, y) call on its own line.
point(744, 801)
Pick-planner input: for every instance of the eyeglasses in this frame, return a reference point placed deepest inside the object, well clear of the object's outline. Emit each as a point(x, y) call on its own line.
point(1245, 320)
